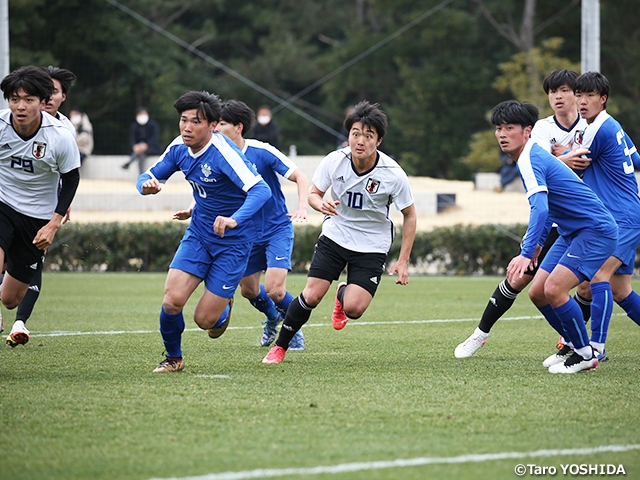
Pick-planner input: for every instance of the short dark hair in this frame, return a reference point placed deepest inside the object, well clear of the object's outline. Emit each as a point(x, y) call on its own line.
point(369, 115)
point(557, 78)
point(64, 76)
point(206, 104)
point(515, 113)
point(236, 112)
point(33, 80)
point(593, 82)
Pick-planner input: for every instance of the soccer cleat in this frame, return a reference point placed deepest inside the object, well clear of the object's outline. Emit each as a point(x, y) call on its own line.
point(170, 365)
point(470, 346)
point(269, 332)
point(338, 317)
point(275, 355)
point(19, 335)
point(574, 364)
point(560, 343)
point(602, 357)
point(219, 328)
point(559, 357)
point(297, 342)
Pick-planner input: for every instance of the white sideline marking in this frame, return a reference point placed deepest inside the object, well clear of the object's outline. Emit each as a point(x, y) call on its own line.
point(354, 323)
point(409, 462)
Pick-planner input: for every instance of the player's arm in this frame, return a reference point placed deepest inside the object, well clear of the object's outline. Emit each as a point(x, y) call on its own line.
point(537, 224)
point(68, 186)
point(319, 203)
point(150, 182)
point(302, 183)
point(185, 214)
point(409, 226)
point(257, 196)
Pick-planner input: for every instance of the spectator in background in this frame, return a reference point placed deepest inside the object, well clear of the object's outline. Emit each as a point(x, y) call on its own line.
point(508, 171)
point(84, 132)
point(145, 139)
point(266, 130)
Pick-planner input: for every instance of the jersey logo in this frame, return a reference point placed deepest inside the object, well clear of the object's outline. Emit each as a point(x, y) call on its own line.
point(206, 170)
point(39, 149)
point(6, 146)
point(374, 280)
point(578, 137)
point(340, 179)
point(372, 185)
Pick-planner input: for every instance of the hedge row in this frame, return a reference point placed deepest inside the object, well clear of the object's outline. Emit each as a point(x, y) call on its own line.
point(149, 247)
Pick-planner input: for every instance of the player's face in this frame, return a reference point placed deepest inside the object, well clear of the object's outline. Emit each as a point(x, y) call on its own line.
point(230, 130)
point(195, 131)
point(25, 110)
point(590, 104)
point(562, 100)
point(363, 142)
point(53, 105)
point(512, 138)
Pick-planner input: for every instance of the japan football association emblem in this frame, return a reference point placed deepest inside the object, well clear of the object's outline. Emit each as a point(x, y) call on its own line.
point(372, 185)
point(39, 149)
point(578, 137)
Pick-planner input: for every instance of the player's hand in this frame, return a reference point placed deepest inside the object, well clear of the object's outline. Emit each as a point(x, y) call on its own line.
point(67, 217)
point(182, 214)
point(557, 149)
point(329, 207)
point(577, 159)
point(299, 215)
point(151, 187)
point(44, 237)
point(222, 223)
point(401, 269)
point(517, 266)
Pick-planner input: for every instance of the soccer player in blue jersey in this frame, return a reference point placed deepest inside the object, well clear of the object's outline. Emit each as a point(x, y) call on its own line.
point(556, 134)
point(272, 253)
point(612, 177)
point(226, 219)
point(587, 231)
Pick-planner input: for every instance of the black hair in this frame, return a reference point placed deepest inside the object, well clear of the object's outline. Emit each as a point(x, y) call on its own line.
point(207, 105)
point(236, 112)
point(515, 113)
point(593, 82)
point(33, 80)
point(64, 76)
point(557, 78)
point(369, 115)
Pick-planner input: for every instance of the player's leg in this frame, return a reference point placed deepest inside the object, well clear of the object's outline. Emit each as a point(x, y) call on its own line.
point(25, 309)
point(275, 283)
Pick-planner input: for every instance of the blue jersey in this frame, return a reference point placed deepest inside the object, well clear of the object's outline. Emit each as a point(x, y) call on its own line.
point(269, 162)
point(611, 173)
point(220, 176)
point(556, 194)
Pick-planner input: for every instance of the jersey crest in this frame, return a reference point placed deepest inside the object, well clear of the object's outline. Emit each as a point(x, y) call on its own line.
point(372, 185)
point(39, 149)
point(578, 137)
point(206, 170)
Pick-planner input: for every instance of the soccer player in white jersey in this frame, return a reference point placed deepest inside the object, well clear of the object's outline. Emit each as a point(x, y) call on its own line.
point(39, 175)
point(588, 233)
point(62, 81)
point(611, 175)
point(226, 220)
point(556, 134)
point(357, 231)
point(271, 253)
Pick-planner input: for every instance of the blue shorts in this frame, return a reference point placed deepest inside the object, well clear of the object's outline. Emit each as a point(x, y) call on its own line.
point(220, 266)
point(628, 240)
point(273, 252)
point(583, 254)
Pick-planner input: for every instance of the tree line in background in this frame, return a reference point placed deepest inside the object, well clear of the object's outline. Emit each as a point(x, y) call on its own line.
point(437, 78)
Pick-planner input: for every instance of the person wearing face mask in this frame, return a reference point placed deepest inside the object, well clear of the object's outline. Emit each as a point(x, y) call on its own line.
point(145, 139)
point(84, 131)
point(266, 130)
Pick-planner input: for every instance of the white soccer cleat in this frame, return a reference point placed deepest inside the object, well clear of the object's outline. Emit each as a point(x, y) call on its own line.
point(559, 357)
point(574, 364)
point(469, 347)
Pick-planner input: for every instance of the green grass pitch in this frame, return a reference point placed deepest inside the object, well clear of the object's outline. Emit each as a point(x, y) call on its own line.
point(79, 401)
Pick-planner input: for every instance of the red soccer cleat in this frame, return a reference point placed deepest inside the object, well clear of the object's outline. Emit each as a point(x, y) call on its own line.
point(338, 317)
point(275, 355)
